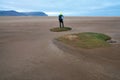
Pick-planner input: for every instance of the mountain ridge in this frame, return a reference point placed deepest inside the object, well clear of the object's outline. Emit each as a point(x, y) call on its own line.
point(15, 13)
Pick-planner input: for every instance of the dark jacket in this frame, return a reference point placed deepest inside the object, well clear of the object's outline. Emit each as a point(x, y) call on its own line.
point(61, 17)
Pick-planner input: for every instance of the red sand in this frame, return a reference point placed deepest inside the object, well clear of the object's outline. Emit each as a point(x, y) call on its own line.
point(28, 52)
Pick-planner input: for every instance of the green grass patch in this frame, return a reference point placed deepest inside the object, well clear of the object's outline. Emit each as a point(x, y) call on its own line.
point(58, 29)
point(86, 40)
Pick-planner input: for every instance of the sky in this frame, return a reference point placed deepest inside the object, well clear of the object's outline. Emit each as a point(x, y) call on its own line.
point(66, 7)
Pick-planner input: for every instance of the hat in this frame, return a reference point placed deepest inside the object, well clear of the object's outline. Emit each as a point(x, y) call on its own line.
point(60, 13)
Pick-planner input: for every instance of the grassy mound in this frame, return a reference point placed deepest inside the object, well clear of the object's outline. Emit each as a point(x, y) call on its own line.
point(58, 29)
point(86, 40)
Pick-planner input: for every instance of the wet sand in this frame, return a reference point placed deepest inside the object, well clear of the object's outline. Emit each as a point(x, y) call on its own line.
point(28, 50)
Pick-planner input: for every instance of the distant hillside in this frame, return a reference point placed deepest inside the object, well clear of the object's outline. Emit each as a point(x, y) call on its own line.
point(15, 13)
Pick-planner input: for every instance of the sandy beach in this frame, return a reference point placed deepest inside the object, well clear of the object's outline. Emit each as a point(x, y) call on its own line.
point(28, 50)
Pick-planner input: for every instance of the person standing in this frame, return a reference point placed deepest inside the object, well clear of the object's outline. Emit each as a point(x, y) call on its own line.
point(61, 22)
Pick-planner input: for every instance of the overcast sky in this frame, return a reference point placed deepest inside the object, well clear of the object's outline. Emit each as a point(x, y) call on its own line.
point(67, 7)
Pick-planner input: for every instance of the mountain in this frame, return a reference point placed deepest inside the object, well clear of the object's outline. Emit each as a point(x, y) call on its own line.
point(15, 13)
point(35, 13)
point(11, 13)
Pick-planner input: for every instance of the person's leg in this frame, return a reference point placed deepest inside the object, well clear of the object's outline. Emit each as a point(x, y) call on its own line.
point(62, 24)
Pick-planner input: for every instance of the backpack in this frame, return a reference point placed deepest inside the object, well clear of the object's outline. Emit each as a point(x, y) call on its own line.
point(61, 17)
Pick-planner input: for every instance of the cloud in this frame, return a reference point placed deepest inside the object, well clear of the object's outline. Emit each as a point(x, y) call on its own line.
point(106, 9)
point(53, 7)
point(104, 5)
point(57, 13)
